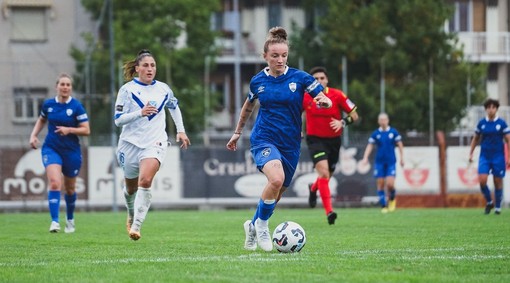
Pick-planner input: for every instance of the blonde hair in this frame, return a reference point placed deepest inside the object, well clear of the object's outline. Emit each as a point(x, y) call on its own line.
point(276, 35)
point(64, 75)
point(130, 66)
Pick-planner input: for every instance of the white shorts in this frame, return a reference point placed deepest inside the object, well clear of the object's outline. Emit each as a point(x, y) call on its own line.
point(129, 157)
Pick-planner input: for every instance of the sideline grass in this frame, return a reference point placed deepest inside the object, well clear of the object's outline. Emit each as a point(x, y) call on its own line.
point(409, 245)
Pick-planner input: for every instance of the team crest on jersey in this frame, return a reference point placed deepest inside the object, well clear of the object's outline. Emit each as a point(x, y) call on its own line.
point(69, 112)
point(266, 152)
point(391, 135)
point(292, 87)
point(498, 127)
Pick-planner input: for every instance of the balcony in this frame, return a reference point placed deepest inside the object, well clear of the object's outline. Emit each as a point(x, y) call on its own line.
point(249, 51)
point(486, 47)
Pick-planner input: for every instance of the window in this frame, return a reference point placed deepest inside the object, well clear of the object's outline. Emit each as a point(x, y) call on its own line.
point(274, 11)
point(461, 18)
point(27, 103)
point(28, 24)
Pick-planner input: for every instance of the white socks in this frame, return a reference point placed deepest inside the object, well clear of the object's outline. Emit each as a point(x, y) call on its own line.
point(141, 207)
point(130, 200)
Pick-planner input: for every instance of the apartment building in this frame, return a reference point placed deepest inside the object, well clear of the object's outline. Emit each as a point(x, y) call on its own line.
point(35, 41)
point(483, 29)
point(254, 18)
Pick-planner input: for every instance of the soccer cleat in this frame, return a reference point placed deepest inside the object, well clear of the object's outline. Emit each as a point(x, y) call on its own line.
point(332, 217)
point(312, 197)
point(497, 211)
point(263, 237)
point(488, 208)
point(70, 228)
point(129, 222)
point(251, 236)
point(384, 210)
point(392, 205)
point(134, 235)
point(54, 227)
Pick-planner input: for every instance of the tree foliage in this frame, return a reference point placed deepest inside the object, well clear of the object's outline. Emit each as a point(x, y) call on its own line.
point(408, 37)
point(155, 25)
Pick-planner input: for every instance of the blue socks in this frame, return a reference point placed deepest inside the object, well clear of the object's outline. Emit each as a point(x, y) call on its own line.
point(392, 194)
point(54, 204)
point(498, 195)
point(382, 198)
point(486, 193)
point(264, 209)
point(70, 205)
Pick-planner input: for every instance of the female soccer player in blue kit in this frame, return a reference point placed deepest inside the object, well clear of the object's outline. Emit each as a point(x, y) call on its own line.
point(61, 153)
point(385, 138)
point(143, 142)
point(276, 135)
point(491, 130)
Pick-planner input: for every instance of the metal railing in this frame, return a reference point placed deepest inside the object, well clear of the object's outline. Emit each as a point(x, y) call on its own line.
point(485, 46)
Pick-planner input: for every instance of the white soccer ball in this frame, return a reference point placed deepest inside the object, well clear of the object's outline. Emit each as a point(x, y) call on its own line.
point(289, 237)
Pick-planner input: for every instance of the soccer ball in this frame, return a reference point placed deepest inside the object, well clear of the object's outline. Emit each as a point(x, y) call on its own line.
point(289, 237)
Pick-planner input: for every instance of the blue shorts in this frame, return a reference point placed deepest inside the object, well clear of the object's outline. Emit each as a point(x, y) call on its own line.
point(383, 170)
point(266, 152)
point(495, 165)
point(70, 160)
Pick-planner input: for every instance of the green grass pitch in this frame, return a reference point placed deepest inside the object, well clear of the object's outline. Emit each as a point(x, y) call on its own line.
point(409, 245)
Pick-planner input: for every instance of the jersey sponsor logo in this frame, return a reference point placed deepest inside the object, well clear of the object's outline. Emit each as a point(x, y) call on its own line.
point(261, 89)
point(292, 87)
point(119, 108)
point(50, 109)
point(69, 112)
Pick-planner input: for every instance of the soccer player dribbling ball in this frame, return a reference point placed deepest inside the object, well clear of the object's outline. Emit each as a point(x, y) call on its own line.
point(276, 135)
point(324, 127)
point(492, 131)
point(143, 141)
point(61, 152)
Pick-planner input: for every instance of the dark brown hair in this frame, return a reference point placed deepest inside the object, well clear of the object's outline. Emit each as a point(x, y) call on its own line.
point(318, 69)
point(129, 67)
point(490, 102)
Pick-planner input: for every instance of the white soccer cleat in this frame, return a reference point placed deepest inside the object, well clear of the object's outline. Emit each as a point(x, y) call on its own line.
point(263, 236)
point(69, 226)
point(54, 227)
point(251, 236)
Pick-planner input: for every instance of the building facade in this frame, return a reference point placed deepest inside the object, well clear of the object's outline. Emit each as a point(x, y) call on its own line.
point(34, 49)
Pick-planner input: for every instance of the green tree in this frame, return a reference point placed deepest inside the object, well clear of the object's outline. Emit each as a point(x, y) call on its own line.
point(407, 37)
point(155, 25)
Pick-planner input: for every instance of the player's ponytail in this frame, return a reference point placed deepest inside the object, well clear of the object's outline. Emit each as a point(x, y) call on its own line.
point(130, 66)
point(276, 35)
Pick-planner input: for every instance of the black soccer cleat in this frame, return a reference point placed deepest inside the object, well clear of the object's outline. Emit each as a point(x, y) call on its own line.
point(312, 197)
point(497, 212)
point(332, 217)
point(488, 208)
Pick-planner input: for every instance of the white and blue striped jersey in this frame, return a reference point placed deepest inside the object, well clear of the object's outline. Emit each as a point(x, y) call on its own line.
point(281, 103)
point(68, 114)
point(146, 131)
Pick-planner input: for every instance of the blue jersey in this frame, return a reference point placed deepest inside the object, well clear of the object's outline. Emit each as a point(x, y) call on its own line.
point(492, 133)
point(385, 141)
point(68, 114)
point(281, 103)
